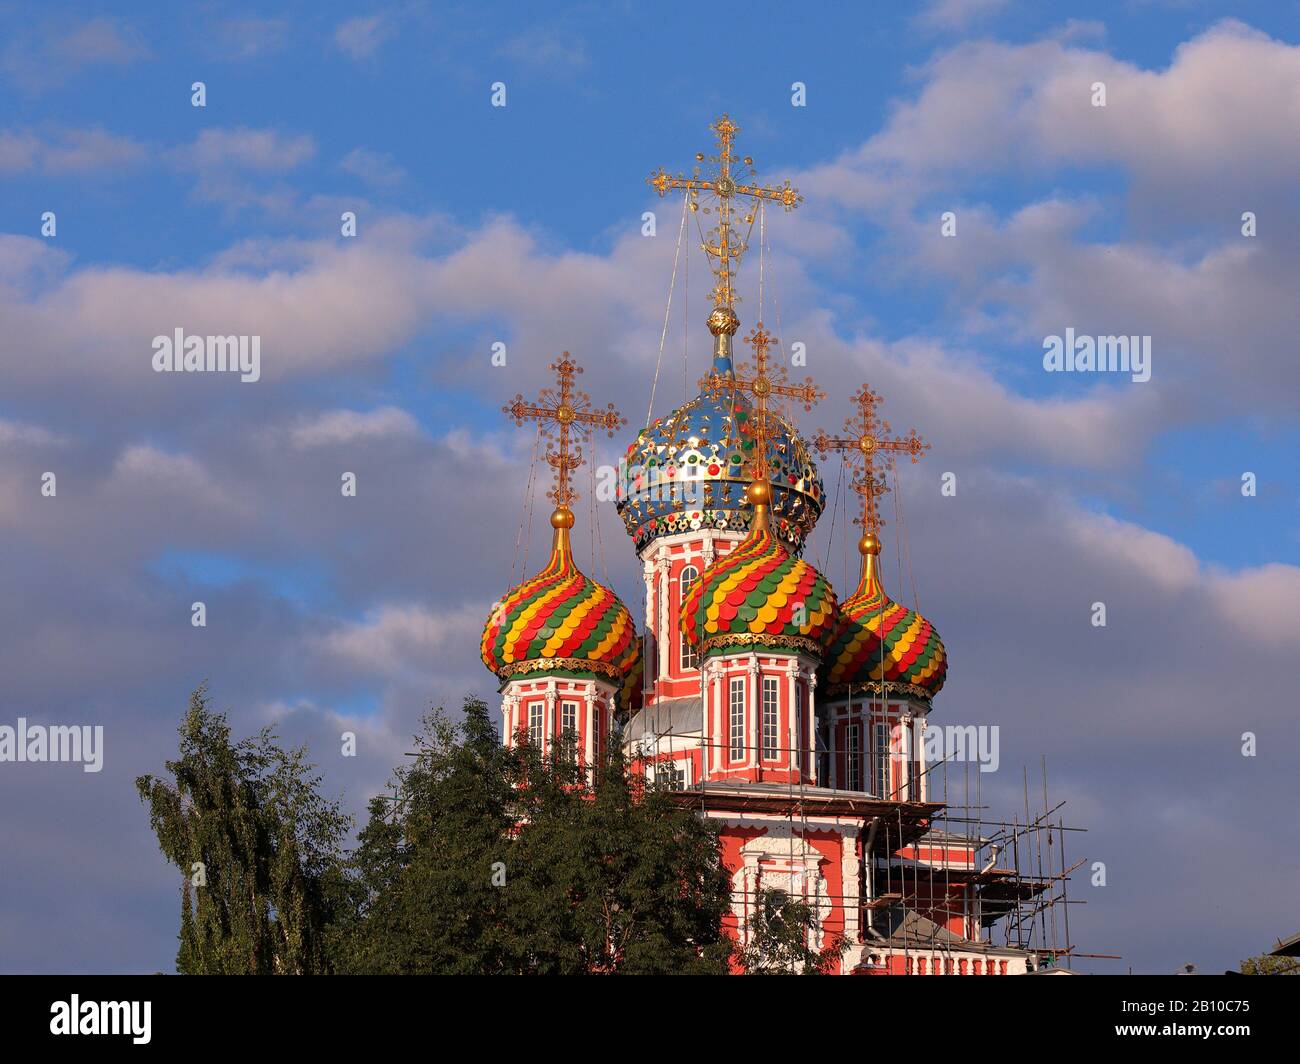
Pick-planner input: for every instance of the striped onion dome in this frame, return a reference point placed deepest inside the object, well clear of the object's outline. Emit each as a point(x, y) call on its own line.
point(759, 596)
point(881, 645)
point(560, 621)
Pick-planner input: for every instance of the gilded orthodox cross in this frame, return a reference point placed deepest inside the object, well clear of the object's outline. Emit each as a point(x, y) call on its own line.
point(558, 412)
point(722, 244)
point(866, 437)
point(763, 384)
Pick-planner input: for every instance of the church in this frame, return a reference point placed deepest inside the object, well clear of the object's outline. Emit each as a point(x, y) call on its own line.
point(788, 713)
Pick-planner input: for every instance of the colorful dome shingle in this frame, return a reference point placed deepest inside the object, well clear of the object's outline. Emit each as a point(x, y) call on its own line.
point(879, 644)
point(687, 471)
point(560, 620)
point(751, 597)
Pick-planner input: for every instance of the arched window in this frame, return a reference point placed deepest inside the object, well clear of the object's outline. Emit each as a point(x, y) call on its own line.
point(687, 656)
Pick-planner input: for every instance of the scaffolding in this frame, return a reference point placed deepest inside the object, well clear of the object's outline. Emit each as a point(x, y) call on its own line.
point(923, 865)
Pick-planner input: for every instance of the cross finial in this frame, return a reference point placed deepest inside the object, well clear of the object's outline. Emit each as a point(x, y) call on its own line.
point(763, 384)
point(867, 437)
point(559, 412)
point(725, 246)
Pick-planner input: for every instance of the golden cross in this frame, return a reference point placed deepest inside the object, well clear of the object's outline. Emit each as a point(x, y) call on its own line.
point(720, 243)
point(868, 437)
point(762, 385)
point(568, 408)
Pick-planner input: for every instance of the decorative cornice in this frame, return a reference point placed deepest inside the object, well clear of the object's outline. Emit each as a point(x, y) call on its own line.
point(886, 688)
point(577, 665)
point(761, 642)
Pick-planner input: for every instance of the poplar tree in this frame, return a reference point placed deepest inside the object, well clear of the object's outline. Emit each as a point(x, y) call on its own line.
point(258, 848)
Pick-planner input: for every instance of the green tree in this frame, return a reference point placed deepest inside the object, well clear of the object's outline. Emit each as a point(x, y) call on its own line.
point(258, 848)
point(779, 939)
point(1267, 964)
point(429, 862)
point(612, 877)
point(494, 860)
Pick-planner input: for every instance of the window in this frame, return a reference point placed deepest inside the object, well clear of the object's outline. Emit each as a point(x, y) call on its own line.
point(688, 657)
point(770, 717)
point(854, 773)
point(535, 724)
point(911, 736)
point(882, 760)
point(569, 727)
point(737, 718)
point(799, 722)
point(672, 774)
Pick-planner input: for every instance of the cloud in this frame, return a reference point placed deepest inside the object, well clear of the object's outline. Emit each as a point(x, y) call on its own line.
point(249, 37)
point(51, 53)
point(375, 168)
point(401, 638)
point(91, 153)
point(346, 426)
point(547, 49)
point(258, 150)
point(957, 15)
point(989, 106)
point(361, 37)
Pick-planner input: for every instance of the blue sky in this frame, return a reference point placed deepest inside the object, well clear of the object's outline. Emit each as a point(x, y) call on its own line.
point(522, 224)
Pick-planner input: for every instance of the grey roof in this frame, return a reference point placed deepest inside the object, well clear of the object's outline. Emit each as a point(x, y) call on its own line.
point(907, 929)
point(672, 716)
point(1287, 947)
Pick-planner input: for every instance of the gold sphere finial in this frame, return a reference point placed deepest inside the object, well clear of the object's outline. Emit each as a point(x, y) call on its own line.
point(869, 544)
point(723, 321)
point(760, 493)
point(562, 517)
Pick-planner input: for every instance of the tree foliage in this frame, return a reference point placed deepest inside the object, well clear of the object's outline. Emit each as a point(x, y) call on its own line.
point(483, 859)
point(257, 846)
point(1267, 964)
point(780, 937)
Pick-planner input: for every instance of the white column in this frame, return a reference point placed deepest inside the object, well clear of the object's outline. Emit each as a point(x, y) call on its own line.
point(849, 886)
point(793, 758)
point(718, 711)
point(753, 715)
point(593, 722)
point(509, 714)
point(812, 726)
point(905, 744)
point(551, 698)
point(662, 607)
point(648, 572)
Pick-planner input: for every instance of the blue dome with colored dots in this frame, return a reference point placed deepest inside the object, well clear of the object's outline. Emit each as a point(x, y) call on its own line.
point(686, 472)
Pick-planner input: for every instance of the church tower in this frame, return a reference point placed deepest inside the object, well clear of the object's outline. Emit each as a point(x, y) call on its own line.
point(792, 721)
point(563, 646)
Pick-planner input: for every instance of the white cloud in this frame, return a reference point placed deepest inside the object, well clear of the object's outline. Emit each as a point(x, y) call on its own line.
point(375, 168)
point(347, 426)
point(956, 15)
point(260, 150)
point(361, 37)
point(81, 152)
point(401, 638)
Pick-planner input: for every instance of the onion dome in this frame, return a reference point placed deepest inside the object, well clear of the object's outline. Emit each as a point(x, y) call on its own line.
point(687, 471)
point(561, 621)
point(881, 645)
point(759, 596)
